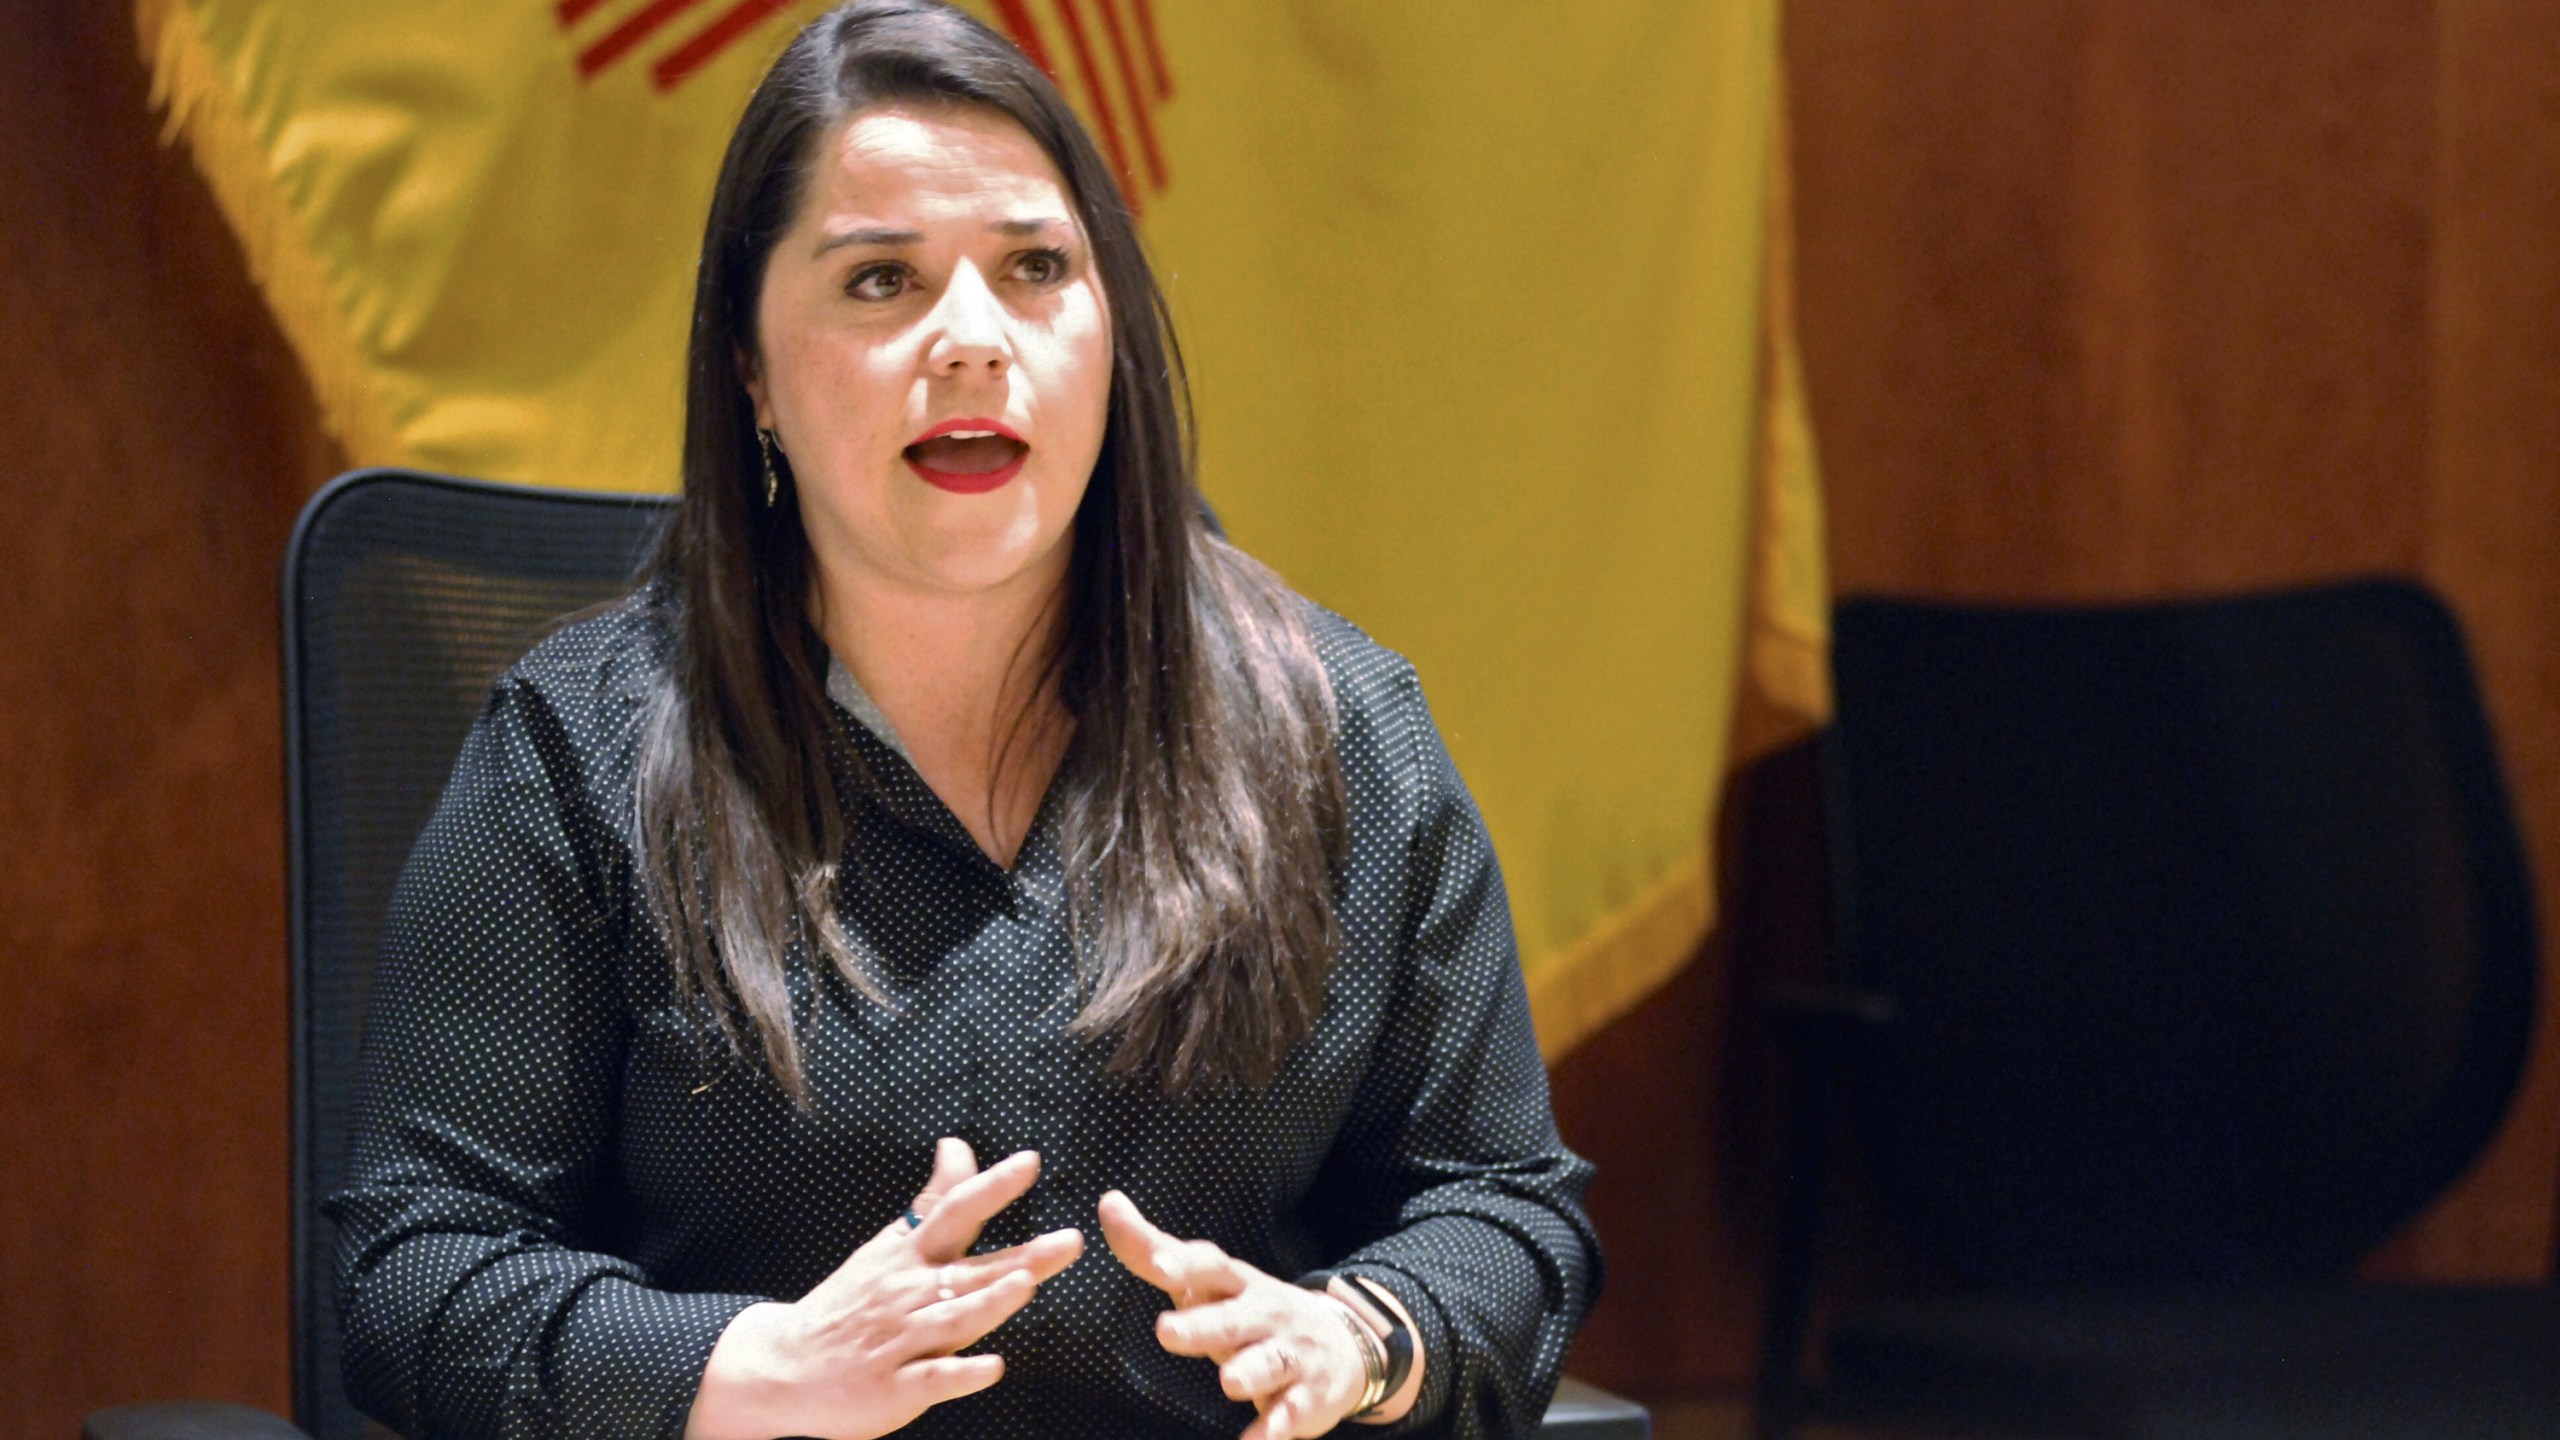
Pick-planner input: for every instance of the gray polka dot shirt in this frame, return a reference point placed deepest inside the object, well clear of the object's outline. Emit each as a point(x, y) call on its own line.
point(559, 1193)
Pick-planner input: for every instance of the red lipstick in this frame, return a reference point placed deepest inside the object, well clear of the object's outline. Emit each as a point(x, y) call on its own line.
point(969, 455)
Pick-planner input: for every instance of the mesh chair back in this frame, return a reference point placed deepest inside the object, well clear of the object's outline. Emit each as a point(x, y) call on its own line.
point(405, 595)
point(2207, 925)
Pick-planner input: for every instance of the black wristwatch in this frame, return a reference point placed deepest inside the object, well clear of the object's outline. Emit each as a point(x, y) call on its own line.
point(1367, 1300)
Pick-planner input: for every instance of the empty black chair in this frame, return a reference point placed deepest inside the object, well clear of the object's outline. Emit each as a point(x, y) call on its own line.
point(405, 596)
point(2185, 953)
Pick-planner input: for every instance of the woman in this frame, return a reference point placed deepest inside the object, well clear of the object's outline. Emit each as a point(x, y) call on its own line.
point(947, 784)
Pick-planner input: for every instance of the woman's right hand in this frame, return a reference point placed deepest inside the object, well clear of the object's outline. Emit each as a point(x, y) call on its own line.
point(870, 1348)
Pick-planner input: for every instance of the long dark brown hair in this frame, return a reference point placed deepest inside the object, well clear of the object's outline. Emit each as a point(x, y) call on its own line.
point(1202, 809)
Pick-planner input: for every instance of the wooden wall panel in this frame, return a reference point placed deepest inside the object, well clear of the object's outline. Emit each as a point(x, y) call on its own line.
point(2103, 299)
point(2114, 298)
point(2212, 338)
point(158, 443)
point(2493, 526)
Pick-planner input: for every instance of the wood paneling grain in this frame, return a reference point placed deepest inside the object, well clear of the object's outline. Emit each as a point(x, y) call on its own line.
point(159, 440)
point(2164, 298)
point(2116, 298)
point(2109, 299)
point(2492, 532)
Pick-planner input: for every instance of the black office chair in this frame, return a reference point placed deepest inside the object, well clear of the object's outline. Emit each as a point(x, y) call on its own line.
point(2185, 953)
point(405, 595)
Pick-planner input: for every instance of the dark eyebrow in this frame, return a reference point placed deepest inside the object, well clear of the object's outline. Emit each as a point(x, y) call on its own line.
point(881, 235)
point(870, 237)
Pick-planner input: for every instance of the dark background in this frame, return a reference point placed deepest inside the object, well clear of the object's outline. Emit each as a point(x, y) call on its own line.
point(2098, 298)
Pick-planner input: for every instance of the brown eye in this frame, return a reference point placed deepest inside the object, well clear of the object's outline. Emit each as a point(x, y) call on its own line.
point(1042, 267)
point(877, 282)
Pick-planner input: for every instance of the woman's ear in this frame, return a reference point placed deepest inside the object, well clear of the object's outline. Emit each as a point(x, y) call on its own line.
point(752, 377)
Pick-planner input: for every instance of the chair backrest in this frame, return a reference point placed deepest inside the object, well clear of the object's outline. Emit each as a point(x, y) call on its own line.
point(2207, 924)
point(405, 595)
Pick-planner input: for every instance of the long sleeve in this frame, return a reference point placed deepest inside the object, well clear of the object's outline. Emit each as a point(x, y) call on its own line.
point(473, 1288)
point(1450, 1156)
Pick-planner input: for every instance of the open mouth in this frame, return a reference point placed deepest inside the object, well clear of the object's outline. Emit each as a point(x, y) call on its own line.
point(967, 457)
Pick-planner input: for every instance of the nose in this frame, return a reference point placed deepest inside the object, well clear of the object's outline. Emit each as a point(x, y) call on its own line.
point(969, 329)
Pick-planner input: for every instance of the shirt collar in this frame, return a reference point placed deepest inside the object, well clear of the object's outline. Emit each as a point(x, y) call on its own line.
point(857, 702)
point(912, 801)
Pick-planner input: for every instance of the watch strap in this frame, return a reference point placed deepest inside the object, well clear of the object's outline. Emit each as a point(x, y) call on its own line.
point(1399, 1340)
point(1369, 1303)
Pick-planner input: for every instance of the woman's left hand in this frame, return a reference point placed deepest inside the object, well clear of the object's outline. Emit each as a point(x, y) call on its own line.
point(1285, 1349)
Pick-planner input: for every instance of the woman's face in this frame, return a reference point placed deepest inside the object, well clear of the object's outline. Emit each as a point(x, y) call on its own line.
point(935, 353)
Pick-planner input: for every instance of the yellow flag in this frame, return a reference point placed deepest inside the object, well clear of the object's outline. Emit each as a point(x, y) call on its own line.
point(1485, 305)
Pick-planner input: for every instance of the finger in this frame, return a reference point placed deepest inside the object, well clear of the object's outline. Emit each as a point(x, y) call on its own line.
point(1258, 1371)
point(1191, 1271)
point(968, 1205)
point(1216, 1331)
point(938, 1378)
point(953, 1162)
point(1202, 1274)
point(963, 1320)
point(1044, 1256)
point(1127, 1228)
point(1293, 1414)
point(1134, 1238)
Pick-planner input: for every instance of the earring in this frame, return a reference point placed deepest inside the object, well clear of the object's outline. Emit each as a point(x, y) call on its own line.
point(769, 446)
